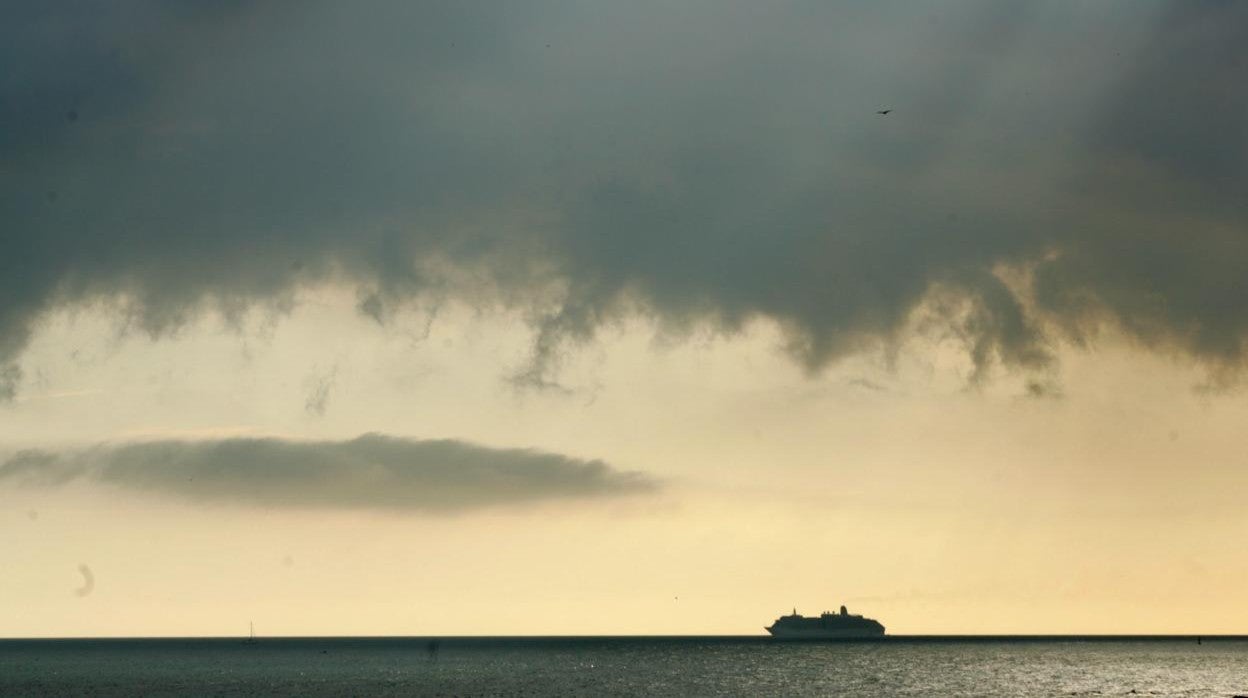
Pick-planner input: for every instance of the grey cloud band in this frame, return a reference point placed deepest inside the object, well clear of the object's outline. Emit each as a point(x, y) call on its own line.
point(368, 472)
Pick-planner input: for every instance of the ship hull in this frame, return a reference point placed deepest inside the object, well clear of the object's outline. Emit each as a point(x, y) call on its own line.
point(823, 633)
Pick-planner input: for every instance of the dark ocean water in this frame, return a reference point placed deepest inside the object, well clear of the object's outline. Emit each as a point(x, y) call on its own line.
point(895, 666)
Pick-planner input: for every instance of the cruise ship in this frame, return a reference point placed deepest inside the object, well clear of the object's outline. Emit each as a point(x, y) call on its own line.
point(825, 626)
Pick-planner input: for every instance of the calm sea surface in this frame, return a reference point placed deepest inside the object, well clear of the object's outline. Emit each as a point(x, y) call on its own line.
point(626, 666)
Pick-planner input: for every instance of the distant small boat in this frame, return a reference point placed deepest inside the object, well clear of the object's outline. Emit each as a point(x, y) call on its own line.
point(251, 635)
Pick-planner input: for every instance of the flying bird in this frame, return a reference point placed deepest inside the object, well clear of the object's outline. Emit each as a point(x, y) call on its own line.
point(884, 112)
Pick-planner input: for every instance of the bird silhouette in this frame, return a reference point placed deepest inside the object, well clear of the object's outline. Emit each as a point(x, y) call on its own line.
point(884, 112)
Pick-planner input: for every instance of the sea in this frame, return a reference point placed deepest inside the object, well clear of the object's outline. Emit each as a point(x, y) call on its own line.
point(628, 666)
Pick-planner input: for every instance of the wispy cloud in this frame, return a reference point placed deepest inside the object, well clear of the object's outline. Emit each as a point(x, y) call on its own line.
point(88, 582)
point(59, 395)
point(369, 472)
point(319, 387)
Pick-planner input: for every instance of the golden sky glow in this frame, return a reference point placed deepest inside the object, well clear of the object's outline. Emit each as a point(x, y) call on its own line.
point(443, 318)
point(899, 491)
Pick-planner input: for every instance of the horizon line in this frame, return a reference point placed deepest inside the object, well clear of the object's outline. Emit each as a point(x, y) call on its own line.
point(670, 636)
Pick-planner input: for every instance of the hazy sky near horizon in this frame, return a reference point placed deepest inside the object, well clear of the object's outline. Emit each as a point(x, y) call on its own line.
point(457, 318)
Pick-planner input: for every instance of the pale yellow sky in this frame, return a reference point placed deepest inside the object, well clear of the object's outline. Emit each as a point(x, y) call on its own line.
point(932, 506)
point(429, 318)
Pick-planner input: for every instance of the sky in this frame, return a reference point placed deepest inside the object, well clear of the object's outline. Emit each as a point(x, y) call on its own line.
point(449, 318)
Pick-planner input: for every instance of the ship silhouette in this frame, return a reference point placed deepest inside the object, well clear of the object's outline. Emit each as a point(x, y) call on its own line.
point(825, 626)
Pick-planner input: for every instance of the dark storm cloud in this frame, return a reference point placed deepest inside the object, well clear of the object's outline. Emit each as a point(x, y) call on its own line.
point(1165, 251)
point(706, 163)
point(370, 472)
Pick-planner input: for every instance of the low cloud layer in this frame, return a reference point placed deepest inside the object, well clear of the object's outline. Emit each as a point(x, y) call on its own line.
point(1045, 171)
point(369, 472)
